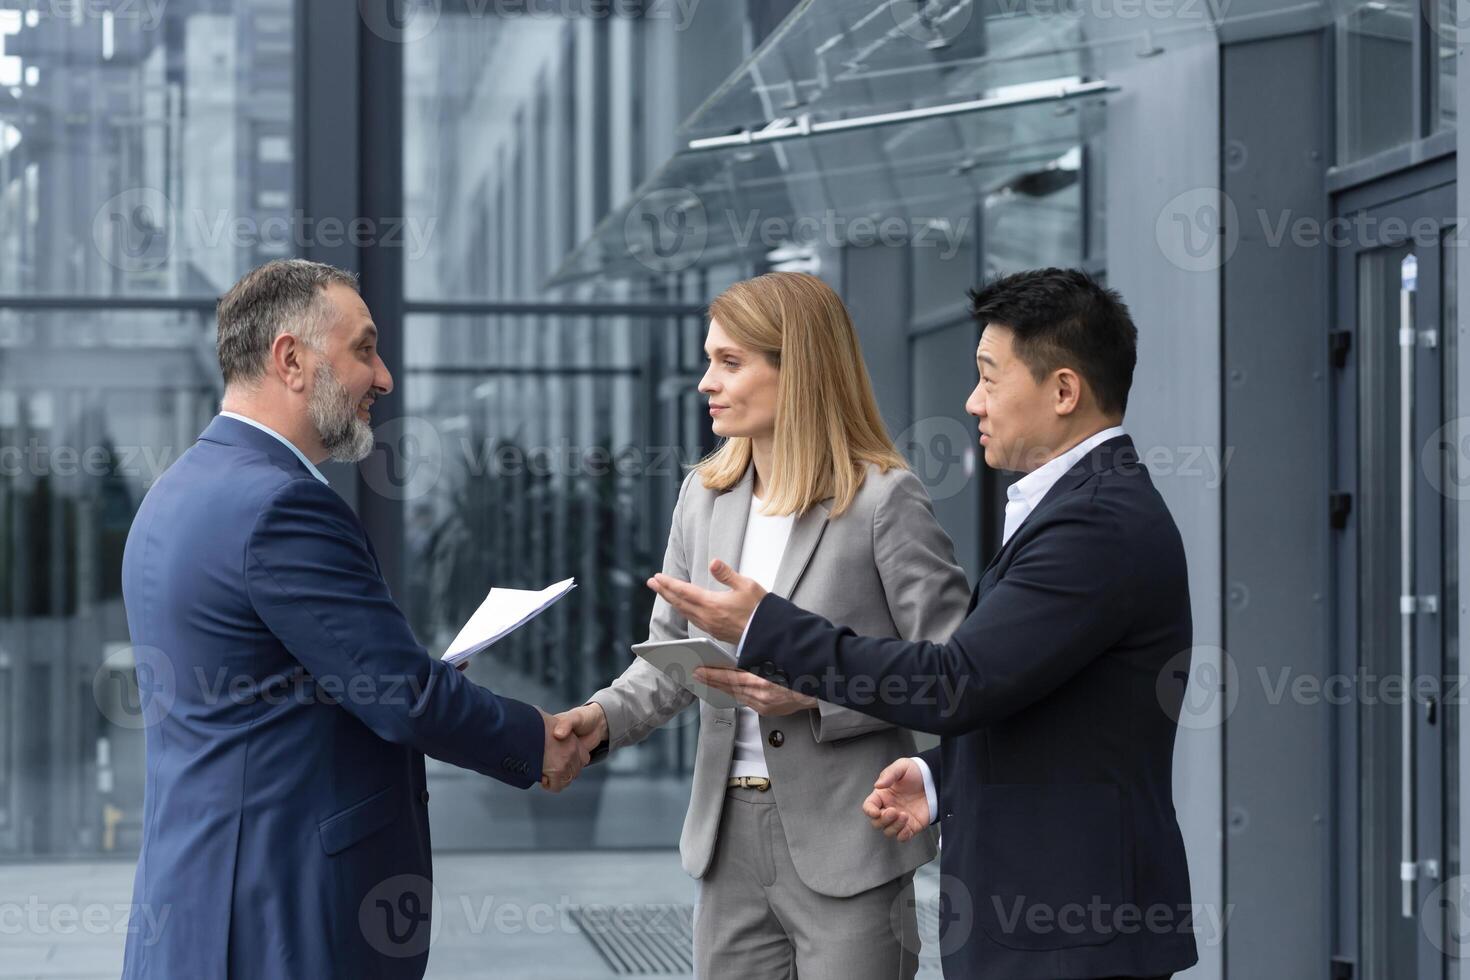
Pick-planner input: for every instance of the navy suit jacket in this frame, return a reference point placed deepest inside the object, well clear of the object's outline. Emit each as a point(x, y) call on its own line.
point(288, 711)
point(1057, 700)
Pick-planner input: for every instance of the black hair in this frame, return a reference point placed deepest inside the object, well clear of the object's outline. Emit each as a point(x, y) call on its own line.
point(1065, 318)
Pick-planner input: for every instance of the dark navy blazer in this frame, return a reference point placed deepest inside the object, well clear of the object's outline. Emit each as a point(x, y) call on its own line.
point(1057, 700)
point(289, 709)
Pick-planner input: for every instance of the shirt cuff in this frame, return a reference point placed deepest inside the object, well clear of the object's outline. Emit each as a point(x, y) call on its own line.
point(740, 648)
point(931, 797)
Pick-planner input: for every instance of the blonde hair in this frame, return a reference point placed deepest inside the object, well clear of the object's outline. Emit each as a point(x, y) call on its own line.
point(828, 427)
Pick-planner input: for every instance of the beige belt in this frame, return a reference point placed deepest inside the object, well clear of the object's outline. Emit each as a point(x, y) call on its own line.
point(749, 782)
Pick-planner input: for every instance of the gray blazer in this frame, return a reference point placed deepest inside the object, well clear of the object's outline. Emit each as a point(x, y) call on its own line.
point(886, 568)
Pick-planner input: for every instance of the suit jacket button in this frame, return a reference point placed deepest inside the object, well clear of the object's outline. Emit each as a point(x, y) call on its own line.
point(776, 739)
point(424, 797)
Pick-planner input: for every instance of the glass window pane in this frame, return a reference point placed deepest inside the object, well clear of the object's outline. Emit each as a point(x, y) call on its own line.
point(1444, 40)
point(544, 447)
point(1375, 77)
point(94, 406)
point(506, 159)
point(144, 150)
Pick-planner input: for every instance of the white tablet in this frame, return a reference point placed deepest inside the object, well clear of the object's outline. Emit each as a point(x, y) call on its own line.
point(678, 658)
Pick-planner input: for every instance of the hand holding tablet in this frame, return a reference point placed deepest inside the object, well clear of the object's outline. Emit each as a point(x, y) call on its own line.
point(676, 659)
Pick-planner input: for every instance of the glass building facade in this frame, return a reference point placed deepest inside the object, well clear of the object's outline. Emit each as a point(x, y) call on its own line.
point(542, 197)
point(145, 164)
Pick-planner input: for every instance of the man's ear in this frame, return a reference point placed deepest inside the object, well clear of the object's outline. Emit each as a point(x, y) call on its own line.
point(1068, 391)
point(287, 361)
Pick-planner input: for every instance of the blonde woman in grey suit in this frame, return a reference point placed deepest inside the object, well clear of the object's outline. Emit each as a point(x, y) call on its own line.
point(807, 495)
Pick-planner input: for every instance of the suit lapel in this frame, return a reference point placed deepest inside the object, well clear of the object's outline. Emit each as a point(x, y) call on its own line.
point(727, 536)
point(806, 531)
point(727, 528)
point(1117, 451)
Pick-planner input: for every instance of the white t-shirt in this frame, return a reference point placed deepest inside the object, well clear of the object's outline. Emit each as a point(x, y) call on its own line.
point(760, 557)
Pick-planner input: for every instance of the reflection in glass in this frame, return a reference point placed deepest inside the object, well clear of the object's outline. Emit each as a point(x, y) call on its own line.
point(1444, 44)
point(144, 149)
point(1375, 77)
point(94, 406)
point(1035, 219)
point(557, 445)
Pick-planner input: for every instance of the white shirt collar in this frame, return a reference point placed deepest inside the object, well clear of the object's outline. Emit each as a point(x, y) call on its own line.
point(1029, 489)
point(284, 441)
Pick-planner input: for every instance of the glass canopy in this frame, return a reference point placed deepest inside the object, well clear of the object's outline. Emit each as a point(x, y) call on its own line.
point(941, 107)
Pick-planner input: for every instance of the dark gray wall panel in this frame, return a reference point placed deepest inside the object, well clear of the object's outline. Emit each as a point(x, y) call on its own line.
point(1276, 308)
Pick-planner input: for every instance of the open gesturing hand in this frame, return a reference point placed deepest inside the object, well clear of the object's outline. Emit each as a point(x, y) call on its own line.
point(723, 614)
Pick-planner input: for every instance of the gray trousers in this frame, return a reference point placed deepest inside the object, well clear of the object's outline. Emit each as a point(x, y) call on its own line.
point(756, 920)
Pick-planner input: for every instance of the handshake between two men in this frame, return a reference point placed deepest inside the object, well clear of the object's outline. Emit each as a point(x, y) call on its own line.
point(898, 805)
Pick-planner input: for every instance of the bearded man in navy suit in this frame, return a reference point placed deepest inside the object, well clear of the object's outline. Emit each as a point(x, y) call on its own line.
point(285, 827)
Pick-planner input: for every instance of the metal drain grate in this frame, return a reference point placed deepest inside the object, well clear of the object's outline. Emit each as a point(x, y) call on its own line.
point(640, 940)
point(658, 940)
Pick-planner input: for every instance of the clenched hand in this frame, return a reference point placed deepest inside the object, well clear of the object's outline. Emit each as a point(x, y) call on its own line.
point(897, 806)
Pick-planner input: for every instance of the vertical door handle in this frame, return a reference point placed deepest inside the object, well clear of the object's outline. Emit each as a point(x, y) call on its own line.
point(1408, 865)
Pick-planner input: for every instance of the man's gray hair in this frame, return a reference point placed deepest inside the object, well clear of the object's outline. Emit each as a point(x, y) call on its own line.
point(282, 296)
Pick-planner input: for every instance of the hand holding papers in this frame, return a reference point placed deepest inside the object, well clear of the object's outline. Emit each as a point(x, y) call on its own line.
point(504, 611)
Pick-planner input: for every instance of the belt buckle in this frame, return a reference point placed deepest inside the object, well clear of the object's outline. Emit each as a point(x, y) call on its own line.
point(758, 783)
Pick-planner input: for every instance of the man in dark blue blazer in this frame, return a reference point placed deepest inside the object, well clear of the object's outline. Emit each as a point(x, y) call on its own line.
point(289, 707)
point(1057, 698)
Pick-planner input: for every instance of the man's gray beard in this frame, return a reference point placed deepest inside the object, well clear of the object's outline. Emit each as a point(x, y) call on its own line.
point(345, 437)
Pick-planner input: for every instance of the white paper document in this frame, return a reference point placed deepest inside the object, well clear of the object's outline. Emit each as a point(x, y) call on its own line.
point(504, 611)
